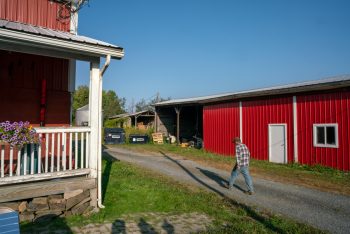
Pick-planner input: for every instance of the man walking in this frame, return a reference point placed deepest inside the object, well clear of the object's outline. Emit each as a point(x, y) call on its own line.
point(242, 165)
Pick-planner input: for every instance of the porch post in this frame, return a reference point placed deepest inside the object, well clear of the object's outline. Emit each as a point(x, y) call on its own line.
point(178, 110)
point(94, 99)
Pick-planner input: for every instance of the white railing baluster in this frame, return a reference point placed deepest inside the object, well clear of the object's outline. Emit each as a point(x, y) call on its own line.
point(2, 160)
point(64, 154)
point(63, 150)
point(46, 152)
point(58, 151)
point(76, 150)
point(18, 162)
point(31, 159)
point(11, 160)
point(82, 150)
point(87, 150)
point(39, 154)
point(25, 160)
point(52, 152)
point(70, 151)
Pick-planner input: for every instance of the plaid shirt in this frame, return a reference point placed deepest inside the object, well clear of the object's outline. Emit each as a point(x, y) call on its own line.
point(242, 155)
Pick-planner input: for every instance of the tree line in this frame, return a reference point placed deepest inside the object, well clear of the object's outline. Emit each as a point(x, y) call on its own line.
point(111, 103)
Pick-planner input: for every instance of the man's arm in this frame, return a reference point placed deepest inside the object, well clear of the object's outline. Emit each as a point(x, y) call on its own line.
point(238, 156)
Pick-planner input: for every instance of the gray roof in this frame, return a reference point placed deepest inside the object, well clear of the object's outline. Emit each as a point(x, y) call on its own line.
point(84, 108)
point(328, 83)
point(131, 114)
point(17, 26)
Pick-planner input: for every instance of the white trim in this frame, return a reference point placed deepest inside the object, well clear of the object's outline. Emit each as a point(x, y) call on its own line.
point(61, 129)
point(16, 37)
point(240, 121)
point(43, 176)
point(325, 145)
point(295, 128)
point(285, 143)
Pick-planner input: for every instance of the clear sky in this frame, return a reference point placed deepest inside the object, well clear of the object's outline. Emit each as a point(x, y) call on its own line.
point(189, 48)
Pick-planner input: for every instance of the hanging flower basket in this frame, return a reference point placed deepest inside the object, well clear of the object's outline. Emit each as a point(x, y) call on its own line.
point(17, 134)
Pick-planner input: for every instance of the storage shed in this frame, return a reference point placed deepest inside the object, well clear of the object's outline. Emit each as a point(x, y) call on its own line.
point(82, 116)
point(306, 122)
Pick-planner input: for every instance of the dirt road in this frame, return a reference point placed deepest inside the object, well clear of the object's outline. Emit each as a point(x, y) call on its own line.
point(323, 210)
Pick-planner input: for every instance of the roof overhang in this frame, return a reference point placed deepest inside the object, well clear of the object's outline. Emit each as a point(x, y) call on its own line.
point(65, 47)
point(310, 86)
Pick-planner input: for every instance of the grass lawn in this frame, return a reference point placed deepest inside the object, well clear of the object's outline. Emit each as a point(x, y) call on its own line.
point(322, 178)
point(132, 190)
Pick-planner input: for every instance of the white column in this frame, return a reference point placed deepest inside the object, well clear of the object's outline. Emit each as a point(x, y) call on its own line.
point(295, 128)
point(94, 116)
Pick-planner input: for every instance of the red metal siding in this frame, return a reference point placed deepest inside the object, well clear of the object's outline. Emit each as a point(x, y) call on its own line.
point(36, 12)
point(324, 108)
point(257, 115)
point(220, 125)
point(20, 89)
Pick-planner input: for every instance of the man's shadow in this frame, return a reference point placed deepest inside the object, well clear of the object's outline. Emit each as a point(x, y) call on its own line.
point(217, 178)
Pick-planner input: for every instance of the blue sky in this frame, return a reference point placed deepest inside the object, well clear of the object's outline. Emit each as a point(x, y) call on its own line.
point(188, 48)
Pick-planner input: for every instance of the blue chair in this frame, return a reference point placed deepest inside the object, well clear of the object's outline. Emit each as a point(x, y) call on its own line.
point(9, 221)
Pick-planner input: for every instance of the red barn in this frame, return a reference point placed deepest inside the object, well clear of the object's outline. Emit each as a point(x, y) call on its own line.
point(306, 122)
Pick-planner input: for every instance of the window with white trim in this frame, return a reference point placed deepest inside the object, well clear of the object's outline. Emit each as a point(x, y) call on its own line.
point(326, 135)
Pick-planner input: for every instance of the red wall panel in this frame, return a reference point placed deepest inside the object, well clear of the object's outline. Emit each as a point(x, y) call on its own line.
point(36, 12)
point(256, 117)
point(220, 125)
point(20, 88)
point(326, 108)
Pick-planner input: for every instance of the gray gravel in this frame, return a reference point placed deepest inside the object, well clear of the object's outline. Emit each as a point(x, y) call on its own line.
point(326, 211)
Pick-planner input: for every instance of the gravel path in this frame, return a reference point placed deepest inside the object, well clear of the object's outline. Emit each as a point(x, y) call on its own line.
point(324, 210)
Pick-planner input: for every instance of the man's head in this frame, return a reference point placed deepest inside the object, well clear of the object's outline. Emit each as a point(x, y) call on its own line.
point(236, 140)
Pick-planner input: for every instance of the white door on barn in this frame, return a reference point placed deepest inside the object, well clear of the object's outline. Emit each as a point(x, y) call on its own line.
point(278, 143)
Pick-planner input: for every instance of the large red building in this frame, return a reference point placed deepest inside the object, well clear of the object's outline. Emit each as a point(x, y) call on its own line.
point(39, 47)
point(308, 123)
point(39, 86)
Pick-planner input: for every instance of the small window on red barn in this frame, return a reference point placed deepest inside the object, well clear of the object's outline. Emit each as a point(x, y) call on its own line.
point(326, 135)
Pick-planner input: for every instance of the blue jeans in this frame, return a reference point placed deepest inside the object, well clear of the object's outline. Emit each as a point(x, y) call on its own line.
point(246, 175)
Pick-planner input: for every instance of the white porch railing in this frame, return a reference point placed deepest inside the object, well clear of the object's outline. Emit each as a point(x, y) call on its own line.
point(62, 152)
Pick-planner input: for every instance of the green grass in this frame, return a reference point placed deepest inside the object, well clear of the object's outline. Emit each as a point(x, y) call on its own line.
point(131, 190)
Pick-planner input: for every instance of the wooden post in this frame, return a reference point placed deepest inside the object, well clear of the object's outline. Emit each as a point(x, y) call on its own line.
point(94, 116)
point(178, 110)
point(155, 120)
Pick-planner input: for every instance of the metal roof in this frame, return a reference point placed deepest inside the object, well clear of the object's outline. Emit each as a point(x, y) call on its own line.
point(40, 35)
point(328, 83)
point(130, 114)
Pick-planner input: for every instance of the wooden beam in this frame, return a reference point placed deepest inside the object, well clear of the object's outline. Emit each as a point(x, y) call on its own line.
point(178, 110)
point(45, 188)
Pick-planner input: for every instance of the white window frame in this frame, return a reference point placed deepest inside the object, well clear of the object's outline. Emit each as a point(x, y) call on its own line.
point(325, 145)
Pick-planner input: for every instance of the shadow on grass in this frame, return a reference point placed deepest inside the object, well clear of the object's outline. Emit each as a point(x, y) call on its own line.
point(249, 211)
point(107, 170)
point(46, 226)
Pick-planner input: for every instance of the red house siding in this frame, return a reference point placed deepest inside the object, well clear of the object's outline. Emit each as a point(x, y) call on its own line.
point(20, 88)
point(256, 117)
point(220, 125)
point(36, 12)
point(326, 108)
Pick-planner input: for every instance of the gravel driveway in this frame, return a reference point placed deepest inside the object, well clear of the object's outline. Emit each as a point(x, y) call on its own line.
point(326, 211)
